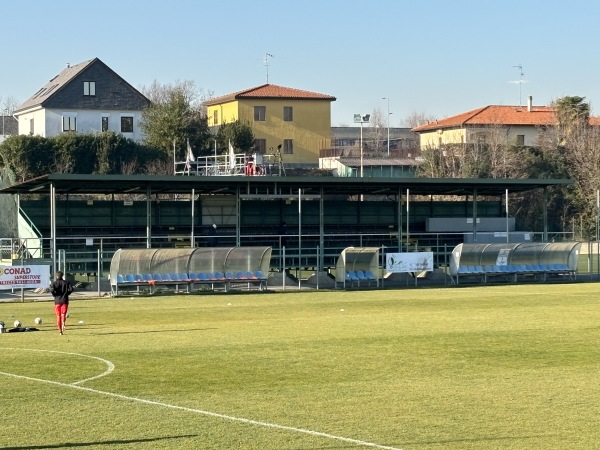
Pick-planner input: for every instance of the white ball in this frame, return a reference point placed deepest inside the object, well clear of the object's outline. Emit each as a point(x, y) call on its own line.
point(38, 320)
point(17, 324)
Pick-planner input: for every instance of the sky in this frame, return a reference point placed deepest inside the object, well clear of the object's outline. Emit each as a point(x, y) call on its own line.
point(434, 58)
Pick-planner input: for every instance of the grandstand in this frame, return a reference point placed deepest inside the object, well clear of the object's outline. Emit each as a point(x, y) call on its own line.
point(98, 214)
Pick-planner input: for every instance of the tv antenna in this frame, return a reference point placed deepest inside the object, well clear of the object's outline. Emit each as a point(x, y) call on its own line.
point(520, 81)
point(266, 62)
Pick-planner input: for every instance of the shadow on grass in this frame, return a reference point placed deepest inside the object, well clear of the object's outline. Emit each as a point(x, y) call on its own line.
point(480, 439)
point(162, 330)
point(89, 444)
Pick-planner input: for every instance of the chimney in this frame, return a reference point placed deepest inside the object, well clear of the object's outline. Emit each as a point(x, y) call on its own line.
point(529, 103)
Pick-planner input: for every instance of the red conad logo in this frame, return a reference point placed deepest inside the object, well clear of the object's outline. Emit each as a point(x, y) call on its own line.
point(17, 270)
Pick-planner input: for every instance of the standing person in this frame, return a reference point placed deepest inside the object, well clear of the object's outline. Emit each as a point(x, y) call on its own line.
point(60, 290)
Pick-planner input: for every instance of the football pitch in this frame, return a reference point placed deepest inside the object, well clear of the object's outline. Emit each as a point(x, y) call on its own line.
point(493, 367)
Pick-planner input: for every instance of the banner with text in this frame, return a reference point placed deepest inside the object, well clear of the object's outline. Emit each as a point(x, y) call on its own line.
point(24, 277)
point(409, 262)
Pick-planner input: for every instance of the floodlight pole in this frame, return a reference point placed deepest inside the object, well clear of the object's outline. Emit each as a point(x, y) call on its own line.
point(361, 149)
point(359, 118)
point(388, 124)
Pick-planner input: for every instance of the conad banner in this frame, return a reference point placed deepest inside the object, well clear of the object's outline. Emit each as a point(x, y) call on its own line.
point(24, 276)
point(409, 262)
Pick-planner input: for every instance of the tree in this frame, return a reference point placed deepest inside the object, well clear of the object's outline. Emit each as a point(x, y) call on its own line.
point(375, 135)
point(175, 116)
point(239, 134)
point(102, 153)
point(27, 156)
point(573, 115)
point(417, 118)
point(8, 105)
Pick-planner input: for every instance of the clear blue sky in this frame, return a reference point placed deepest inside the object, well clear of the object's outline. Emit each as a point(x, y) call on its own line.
point(437, 57)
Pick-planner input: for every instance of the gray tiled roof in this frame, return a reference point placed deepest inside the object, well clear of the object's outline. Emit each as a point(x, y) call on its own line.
point(113, 92)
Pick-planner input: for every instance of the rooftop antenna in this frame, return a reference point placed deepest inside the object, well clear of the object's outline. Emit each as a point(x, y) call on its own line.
point(267, 56)
point(520, 81)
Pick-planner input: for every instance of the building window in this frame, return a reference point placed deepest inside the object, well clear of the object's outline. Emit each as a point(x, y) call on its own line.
point(288, 114)
point(520, 139)
point(288, 146)
point(216, 117)
point(69, 123)
point(126, 124)
point(31, 127)
point(89, 88)
point(260, 113)
point(105, 123)
point(260, 146)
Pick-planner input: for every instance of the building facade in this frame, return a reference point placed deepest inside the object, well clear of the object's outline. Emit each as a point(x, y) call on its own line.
point(286, 122)
point(507, 125)
point(87, 97)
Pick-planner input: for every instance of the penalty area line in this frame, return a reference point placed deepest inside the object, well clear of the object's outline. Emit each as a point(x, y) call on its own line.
point(207, 413)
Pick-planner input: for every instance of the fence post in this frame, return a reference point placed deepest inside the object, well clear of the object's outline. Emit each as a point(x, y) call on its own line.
point(99, 269)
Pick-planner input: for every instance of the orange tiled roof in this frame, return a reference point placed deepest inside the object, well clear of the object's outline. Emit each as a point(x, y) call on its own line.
point(495, 115)
point(270, 91)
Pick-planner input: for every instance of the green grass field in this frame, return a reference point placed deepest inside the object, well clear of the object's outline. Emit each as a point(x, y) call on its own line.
point(497, 367)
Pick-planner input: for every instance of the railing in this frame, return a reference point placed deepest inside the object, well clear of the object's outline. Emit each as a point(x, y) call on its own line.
point(94, 254)
point(30, 242)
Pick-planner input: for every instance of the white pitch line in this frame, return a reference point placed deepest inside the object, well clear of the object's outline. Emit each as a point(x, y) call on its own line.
point(110, 366)
point(208, 413)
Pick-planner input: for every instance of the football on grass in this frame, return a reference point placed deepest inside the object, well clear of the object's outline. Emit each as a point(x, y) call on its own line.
point(38, 320)
point(17, 324)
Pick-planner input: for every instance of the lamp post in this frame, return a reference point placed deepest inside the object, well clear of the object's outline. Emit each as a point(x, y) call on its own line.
point(388, 123)
point(359, 118)
point(4, 113)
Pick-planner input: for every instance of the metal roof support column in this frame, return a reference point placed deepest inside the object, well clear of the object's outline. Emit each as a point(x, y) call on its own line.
point(193, 218)
point(299, 237)
point(321, 262)
point(475, 215)
point(407, 220)
point(399, 214)
point(53, 225)
point(148, 218)
point(545, 214)
point(507, 231)
point(238, 214)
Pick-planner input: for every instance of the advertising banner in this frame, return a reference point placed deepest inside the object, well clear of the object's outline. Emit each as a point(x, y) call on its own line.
point(409, 262)
point(24, 277)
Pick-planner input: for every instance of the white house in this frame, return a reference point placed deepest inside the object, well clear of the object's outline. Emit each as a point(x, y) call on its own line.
point(84, 98)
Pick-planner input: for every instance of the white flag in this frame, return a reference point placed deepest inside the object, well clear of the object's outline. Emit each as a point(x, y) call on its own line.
point(190, 155)
point(231, 156)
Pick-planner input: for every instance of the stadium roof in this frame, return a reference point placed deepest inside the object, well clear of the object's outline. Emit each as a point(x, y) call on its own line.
point(266, 186)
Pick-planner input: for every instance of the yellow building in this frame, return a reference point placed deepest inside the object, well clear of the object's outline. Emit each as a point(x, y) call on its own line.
point(295, 121)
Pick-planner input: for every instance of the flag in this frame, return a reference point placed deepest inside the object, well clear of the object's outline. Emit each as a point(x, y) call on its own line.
point(189, 157)
point(231, 156)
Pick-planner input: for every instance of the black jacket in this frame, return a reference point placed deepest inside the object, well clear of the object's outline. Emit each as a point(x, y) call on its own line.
point(61, 289)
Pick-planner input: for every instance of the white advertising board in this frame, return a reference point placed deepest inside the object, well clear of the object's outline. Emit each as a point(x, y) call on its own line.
point(24, 276)
point(409, 262)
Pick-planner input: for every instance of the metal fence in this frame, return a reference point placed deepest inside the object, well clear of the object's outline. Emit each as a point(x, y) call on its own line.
point(300, 252)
